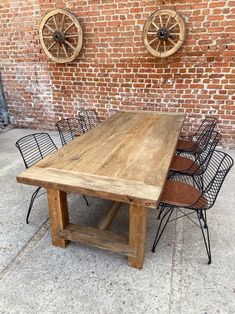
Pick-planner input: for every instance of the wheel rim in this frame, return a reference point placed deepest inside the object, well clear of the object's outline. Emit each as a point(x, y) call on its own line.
point(164, 33)
point(61, 35)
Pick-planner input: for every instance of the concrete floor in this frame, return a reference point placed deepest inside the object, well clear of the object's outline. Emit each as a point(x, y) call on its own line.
point(36, 277)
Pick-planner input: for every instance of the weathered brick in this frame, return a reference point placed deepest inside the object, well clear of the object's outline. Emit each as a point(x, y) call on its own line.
point(114, 70)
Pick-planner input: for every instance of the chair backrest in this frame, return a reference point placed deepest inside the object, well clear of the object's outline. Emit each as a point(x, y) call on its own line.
point(212, 179)
point(89, 118)
point(202, 139)
point(203, 158)
point(207, 125)
point(34, 147)
point(69, 129)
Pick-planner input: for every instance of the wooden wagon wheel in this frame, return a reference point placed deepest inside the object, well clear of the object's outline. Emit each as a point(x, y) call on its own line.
point(60, 35)
point(164, 33)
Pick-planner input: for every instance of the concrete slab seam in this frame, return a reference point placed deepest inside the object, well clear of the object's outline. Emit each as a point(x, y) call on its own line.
point(38, 235)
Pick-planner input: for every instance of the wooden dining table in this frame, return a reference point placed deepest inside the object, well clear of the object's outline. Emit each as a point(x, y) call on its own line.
point(125, 159)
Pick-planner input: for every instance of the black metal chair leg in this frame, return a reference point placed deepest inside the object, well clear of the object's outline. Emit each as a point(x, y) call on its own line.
point(203, 218)
point(201, 215)
point(206, 241)
point(161, 211)
point(158, 236)
point(85, 200)
point(34, 195)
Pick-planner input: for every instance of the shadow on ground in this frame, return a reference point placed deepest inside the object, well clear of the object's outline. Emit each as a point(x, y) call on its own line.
point(36, 277)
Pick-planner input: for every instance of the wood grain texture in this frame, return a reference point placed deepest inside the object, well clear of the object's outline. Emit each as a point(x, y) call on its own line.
point(126, 159)
point(165, 113)
point(106, 240)
point(107, 220)
point(59, 52)
point(59, 218)
point(175, 25)
point(137, 234)
point(120, 190)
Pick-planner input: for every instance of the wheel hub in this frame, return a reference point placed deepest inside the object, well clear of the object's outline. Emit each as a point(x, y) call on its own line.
point(163, 33)
point(58, 37)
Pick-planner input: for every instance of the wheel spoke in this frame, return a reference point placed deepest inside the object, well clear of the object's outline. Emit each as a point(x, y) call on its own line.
point(68, 28)
point(171, 41)
point(155, 25)
point(58, 51)
point(163, 33)
point(62, 23)
point(65, 51)
point(164, 46)
point(50, 28)
point(172, 26)
point(158, 46)
point(56, 26)
point(71, 35)
point(168, 20)
point(152, 40)
point(51, 46)
point(70, 45)
point(61, 35)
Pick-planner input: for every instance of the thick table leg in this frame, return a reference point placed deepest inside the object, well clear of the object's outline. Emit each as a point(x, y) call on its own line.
point(137, 234)
point(59, 218)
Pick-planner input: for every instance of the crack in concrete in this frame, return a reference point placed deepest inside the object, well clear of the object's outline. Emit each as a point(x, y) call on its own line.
point(176, 269)
point(38, 235)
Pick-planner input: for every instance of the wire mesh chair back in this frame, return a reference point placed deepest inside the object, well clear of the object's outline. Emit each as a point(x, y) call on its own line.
point(200, 162)
point(35, 147)
point(212, 179)
point(204, 157)
point(202, 141)
point(207, 125)
point(89, 118)
point(69, 129)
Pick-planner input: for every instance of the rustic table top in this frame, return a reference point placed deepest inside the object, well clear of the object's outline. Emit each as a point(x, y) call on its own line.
point(126, 159)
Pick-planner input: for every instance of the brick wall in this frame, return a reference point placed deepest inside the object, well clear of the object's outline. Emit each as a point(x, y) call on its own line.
point(114, 70)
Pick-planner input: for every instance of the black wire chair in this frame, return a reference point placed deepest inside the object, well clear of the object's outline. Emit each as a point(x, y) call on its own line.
point(69, 129)
point(188, 164)
point(192, 143)
point(33, 148)
point(89, 119)
point(180, 194)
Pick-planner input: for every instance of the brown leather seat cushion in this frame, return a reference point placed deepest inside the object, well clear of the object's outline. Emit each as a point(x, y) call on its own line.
point(184, 145)
point(181, 194)
point(181, 164)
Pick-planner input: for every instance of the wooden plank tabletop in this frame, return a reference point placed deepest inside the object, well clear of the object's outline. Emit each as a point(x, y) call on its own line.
point(126, 158)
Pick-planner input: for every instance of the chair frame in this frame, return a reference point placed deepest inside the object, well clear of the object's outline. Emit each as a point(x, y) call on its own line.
point(212, 180)
point(67, 131)
point(199, 163)
point(30, 161)
point(86, 118)
point(202, 159)
point(207, 124)
point(198, 139)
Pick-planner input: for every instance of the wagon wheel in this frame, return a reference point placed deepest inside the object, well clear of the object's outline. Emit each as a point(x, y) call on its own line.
point(164, 33)
point(60, 35)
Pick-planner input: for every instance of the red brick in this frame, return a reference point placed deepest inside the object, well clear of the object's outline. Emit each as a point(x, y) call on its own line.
point(114, 69)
